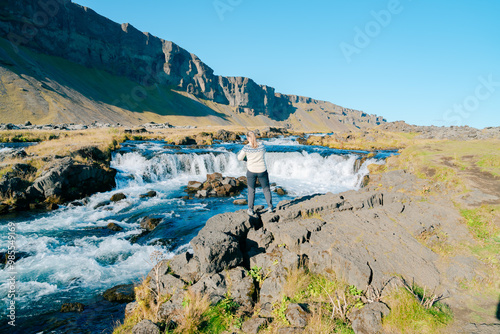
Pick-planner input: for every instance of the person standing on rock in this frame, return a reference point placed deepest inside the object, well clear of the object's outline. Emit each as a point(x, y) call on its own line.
point(254, 153)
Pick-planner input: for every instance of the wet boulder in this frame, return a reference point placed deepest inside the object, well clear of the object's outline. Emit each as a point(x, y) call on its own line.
point(118, 197)
point(216, 185)
point(72, 307)
point(149, 224)
point(102, 204)
point(149, 194)
point(214, 177)
point(280, 191)
point(193, 186)
point(120, 294)
point(114, 227)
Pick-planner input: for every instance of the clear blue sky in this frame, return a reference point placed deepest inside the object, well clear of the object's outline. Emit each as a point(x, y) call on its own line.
point(422, 61)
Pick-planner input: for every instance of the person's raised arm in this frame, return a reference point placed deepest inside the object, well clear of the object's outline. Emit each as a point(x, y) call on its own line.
point(242, 155)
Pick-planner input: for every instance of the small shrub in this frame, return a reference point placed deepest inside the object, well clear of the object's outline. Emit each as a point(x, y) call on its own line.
point(296, 285)
point(193, 314)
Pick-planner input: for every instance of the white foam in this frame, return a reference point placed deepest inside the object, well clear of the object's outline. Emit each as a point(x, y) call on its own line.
point(301, 173)
point(6, 150)
point(304, 173)
point(138, 170)
point(27, 292)
point(283, 141)
point(90, 262)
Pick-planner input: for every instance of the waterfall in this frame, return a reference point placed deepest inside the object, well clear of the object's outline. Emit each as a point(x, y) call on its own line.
point(299, 172)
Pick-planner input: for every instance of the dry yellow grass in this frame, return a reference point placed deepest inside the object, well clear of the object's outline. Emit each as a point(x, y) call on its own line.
point(192, 315)
point(372, 139)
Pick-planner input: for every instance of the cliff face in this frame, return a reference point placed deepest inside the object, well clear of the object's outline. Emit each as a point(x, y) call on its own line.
point(64, 29)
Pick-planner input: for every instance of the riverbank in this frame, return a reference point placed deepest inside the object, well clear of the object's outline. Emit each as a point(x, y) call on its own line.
point(39, 176)
point(430, 216)
point(448, 186)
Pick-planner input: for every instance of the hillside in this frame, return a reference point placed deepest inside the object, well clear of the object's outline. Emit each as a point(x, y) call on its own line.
point(78, 66)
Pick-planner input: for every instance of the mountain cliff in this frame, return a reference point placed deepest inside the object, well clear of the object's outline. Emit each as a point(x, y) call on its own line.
point(49, 46)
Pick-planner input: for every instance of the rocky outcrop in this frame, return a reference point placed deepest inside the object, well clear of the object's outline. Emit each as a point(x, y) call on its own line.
point(368, 319)
point(93, 125)
point(68, 180)
point(120, 294)
point(216, 185)
point(366, 238)
point(146, 327)
point(443, 132)
point(76, 33)
point(62, 180)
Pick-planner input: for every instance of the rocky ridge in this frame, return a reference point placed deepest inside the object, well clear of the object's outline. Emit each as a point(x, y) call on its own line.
point(79, 127)
point(80, 35)
point(62, 180)
point(443, 132)
point(364, 237)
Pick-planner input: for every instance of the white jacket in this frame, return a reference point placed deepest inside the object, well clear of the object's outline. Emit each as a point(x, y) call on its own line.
point(255, 158)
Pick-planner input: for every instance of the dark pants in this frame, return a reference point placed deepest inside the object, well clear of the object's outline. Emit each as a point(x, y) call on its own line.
point(264, 182)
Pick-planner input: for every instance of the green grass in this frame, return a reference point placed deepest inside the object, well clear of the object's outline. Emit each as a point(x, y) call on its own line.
point(490, 163)
point(409, 316)
point(5, 170)
point(27, 136)
point(319, 291)
point(221, 317)
point(480, 223)
point(477, 224)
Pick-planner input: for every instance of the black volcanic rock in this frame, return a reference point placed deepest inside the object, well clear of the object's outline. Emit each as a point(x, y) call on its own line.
point(69, 181)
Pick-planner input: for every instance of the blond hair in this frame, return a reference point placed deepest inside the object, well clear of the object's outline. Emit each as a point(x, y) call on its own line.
point(252, 139)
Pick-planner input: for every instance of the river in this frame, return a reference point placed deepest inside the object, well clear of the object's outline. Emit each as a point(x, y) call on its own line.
point(68, 255)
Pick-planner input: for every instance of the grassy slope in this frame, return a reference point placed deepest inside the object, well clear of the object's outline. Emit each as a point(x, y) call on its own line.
point(38, 88)
point(458, 170)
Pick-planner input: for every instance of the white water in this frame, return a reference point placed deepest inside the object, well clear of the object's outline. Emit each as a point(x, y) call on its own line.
point(301, 173)
point(70, 254)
